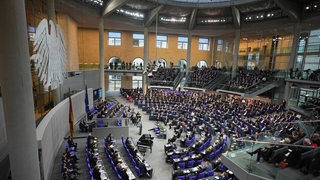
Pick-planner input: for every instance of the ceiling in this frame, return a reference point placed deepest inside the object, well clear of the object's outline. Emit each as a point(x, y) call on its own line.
point(200, 17)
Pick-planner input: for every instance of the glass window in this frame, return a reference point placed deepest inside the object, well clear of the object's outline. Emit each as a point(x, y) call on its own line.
point(114, 39)
point(136, 82)
point(314, 41)
point(312, 62)
point(219, 46)
point(162, 41)
point(227, 47)
point(114, 82)
point(182, 42)
point(204, 44)
point(138, 40)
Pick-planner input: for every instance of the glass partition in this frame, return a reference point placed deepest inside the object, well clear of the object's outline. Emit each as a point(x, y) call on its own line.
point(271, 155)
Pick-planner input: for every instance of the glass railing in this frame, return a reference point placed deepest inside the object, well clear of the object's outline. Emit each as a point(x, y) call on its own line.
point(267, 154)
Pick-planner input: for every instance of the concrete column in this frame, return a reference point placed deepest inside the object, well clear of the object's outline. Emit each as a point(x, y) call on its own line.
point(51, 11)
point(295, 45)
point(287, 90)
point(145, 60)
point(16, 88)
point(236, 52)
point(188, 53)
point(213, 60)
point(101, 55)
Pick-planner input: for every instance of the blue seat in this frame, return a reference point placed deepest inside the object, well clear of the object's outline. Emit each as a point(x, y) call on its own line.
point(174, 157)
point(201, 175)
point(100, 121)
point(181, 165)
point(190, 153)
point(192, 177)
point(210, 173)
point(100, 125)
point(181, 177)
point(137, 171)
point(133, 162)
point(190, 164)
point(123, 141)
point(198, 162)
point(119, 177)
point(211, 156)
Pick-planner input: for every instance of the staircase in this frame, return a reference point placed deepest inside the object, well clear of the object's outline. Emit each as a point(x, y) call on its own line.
point(178, 79)
point(263, 87)
point(220, 79)
point(256, 90)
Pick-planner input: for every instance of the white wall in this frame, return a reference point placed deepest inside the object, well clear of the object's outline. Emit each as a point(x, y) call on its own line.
point(55, 127)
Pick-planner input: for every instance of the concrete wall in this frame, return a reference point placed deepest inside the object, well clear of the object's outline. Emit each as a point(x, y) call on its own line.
point(116, 131)
point(79, 80)
point(89, 48)
point(55, 126)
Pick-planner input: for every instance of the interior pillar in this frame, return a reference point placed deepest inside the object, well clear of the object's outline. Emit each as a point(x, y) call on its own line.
point(16, 89)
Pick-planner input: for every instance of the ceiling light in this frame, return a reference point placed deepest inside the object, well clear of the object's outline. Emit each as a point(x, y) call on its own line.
point(307, 7)
point(173, 19)
point(130, 13)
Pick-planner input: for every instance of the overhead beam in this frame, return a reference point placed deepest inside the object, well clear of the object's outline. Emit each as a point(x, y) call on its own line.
point(236, 16)
point(152, 15)
point(193, 18)
point(111, 6)
point(292, 8)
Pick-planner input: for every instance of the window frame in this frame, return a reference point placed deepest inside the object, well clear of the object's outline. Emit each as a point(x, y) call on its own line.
point(114, 40)
point(140, 41)
point(204, 46)
point(160, 43)
point(183, 44)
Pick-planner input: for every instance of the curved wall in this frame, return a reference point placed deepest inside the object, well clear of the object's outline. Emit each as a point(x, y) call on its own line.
point(55, 127)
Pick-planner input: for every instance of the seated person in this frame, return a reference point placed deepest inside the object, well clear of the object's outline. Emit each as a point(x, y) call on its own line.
point(96, 172)
point(139, 116)
point(124, 174)
point(83, 126)
point(129, 144)
point(207, 166)
point(109, 139)
point(72, 144)
point(142, 167)
point(173, 139)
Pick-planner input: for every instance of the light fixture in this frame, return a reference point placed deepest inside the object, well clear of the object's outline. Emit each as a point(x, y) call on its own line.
point(173, 19)
point(131, 13)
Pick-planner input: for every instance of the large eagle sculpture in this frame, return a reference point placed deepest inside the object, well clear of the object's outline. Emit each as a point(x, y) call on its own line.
point(49, 54)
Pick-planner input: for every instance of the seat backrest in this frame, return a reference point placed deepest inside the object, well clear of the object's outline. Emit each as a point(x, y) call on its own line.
point(181, 165)
point(210, 173)
point(181, 177)
point(198, 162)
point(201, 175)
point(192, 177)
point(190, 163)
